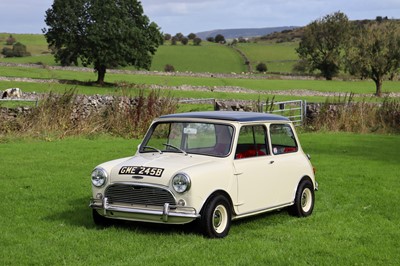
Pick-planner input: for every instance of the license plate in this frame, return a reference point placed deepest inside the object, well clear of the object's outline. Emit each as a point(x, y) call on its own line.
point(141, 170)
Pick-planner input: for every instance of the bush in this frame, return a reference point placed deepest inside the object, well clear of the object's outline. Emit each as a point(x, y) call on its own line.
point(197, 41)
point(191, 36)
point(220, 38)
point(169, 68)
point(210, 39)
point(184, 40)
point(167, 37)
point(261, 67)
point(18, 50)
point(174, 40)
point(7, 52)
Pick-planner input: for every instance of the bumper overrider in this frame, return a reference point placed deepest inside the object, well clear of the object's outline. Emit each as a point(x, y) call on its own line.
point(171, 214)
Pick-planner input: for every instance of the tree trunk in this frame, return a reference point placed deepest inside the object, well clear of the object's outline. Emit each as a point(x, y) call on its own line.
point(378, 84)
point(101, 72)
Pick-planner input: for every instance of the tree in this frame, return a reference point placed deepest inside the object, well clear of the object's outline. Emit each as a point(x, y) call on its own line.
point(197, 41)
point(167, 37)
point(191, 36)
point(19, 50)
point(184, 40)
point(261, 67)
point(10, 40)
point(107, 34)
point(219, 38)
point(210, 39)
point(179, 36)
point(323, 43)
point(169, 68)
point(374, 51)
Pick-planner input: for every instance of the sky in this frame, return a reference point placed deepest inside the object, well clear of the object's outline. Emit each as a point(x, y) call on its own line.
point(187, 16)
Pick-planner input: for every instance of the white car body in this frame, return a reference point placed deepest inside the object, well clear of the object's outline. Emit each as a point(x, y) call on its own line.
point(214, 185)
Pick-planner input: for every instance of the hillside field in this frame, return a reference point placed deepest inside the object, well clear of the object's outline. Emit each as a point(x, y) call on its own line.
point(203, 61)
point(208, 57)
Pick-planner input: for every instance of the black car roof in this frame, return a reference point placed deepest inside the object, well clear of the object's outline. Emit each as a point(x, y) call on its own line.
point(229, 116)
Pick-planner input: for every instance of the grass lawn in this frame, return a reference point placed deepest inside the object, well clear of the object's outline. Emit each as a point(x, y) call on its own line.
point(46, 220)
point(279, 57)
point(208, 57)
point(260, 84)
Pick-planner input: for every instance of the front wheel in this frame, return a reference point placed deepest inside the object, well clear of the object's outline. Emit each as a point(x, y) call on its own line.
point(216, 217)
point(304, 199)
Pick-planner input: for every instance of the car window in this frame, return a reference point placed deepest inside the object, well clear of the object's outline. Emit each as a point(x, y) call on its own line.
point(252, 142)
point(190, 137)
point(282, 139)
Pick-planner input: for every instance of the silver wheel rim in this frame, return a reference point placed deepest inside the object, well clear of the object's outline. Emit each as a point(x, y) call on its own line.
point(220, 218)
point(306, 200)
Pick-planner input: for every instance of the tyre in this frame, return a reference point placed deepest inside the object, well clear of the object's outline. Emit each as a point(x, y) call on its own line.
point(215, 218)
point(100, 220)
point(304, 199)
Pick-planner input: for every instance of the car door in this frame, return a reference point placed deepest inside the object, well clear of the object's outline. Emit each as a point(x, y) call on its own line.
point(253, 163)
point(288, 166)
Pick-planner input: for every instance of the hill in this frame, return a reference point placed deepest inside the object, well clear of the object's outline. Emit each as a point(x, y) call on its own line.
point(245, 33)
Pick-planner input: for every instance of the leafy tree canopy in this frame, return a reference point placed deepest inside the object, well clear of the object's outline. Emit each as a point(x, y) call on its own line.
point(323, 42)
point(220, 38)
point(107, 34)
point(374, 51)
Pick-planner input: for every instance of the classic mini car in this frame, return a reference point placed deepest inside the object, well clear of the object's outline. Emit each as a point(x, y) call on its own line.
point(212, 167)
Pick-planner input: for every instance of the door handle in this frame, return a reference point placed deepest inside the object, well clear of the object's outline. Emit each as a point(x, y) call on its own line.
point(271, 162)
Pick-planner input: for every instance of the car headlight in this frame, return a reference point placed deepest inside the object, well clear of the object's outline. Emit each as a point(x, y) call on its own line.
point(99, 177)
point(181, 182)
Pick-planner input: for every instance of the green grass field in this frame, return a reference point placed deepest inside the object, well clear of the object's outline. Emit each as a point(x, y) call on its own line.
point(211, 58)
point(279, 57)
point(359, 87)
point(46, 220)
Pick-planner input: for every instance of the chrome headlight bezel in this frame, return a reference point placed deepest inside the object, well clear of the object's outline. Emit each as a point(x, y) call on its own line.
point(181, 182)
point(99, 177)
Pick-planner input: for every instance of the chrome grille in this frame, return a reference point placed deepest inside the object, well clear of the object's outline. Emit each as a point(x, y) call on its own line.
point(138, 194)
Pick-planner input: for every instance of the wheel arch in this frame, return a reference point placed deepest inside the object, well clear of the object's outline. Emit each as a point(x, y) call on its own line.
point(302, 179)
point(216, 193)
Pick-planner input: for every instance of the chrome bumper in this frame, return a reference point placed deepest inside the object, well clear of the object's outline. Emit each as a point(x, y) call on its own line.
point(166, 214)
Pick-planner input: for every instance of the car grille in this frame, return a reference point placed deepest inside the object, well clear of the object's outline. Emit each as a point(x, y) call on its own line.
point(137, 194)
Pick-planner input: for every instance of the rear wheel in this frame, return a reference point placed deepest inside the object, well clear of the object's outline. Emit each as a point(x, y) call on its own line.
point(304, 199)
point(216, 217)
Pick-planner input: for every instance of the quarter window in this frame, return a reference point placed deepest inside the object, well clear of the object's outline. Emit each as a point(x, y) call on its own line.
point(282, 139)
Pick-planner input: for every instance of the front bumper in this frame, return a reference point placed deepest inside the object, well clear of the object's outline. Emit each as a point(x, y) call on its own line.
point(170, 214)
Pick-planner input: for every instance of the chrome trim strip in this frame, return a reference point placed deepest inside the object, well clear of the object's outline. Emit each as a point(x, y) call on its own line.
point(164, 214)
point(259, 211)
point(140, 184)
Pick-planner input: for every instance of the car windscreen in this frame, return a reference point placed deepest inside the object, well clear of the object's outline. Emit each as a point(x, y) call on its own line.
point(189, 137)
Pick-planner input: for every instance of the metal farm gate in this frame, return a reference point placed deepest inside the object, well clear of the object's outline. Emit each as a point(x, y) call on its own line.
point(294, 110)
